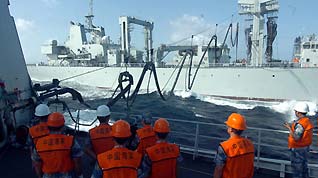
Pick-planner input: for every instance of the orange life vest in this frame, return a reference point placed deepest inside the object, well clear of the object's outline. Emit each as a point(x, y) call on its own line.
point(101, 138)
point(55, 153)
point(147, 138)
point(240, 158)
point(38, 131)
point(119, 163)
point(163, 157)
point(306, 138)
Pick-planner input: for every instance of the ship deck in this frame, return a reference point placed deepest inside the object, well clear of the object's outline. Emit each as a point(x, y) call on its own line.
point(16, 162)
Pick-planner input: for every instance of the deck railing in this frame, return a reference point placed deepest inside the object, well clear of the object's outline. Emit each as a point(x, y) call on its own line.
point(210, 65)
point(193, 135)
point(274, 164)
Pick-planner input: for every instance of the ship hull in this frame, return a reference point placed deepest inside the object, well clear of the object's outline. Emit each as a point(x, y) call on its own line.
point(268, 84)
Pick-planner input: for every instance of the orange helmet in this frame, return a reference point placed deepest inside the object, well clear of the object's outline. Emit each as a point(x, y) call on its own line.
point(162, 126)
point(55, 119)
point(236, 121)
point(121, 129)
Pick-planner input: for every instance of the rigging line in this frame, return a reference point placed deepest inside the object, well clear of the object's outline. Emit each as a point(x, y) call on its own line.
point(214, 37)
point(179, 71)
point(149, 82)
point(223, 29)
point(185, 77)
point(188, 75)
point(203, 31)
point(165, 55)
point(177, 66)
point(78, 75)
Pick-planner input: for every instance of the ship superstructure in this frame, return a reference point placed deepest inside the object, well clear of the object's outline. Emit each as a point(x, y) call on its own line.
point(88, 45)
point(203, 69)
point(306, 51)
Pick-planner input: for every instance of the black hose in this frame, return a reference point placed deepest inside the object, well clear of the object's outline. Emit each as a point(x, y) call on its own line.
point(178, 74)
point(214, 37)
point(157, 82)
point(65, 107)
point(123, 77)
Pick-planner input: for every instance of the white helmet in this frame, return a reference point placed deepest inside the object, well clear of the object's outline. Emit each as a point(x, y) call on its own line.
point(301, 107)
point(103, 111)
point(42, 110)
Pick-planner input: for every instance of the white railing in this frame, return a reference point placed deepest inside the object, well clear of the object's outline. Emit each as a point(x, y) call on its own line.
point(193, 134)
point(270, 163)
point(211, 65)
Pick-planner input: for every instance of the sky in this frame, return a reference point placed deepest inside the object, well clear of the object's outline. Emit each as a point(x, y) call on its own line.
point(39, 21)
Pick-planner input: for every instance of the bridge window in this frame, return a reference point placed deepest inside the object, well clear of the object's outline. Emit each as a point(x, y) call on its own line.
point(312, 46)
point(316, 46)
point(306, 46)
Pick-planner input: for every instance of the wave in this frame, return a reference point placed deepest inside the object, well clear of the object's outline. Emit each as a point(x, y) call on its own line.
point(86, 118)
point(285, 107)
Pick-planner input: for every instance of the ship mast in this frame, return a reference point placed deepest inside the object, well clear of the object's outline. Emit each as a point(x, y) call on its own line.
point(90, 16)
point(257, 9)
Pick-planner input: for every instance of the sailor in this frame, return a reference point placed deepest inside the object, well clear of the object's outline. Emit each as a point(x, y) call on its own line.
point(161, 160)
point(100, 138)
point(133, 141)
point(145, 135)
point(57, 155)
point(39, 130)
point(299, 140)
point(235, 156)
point(118, 162)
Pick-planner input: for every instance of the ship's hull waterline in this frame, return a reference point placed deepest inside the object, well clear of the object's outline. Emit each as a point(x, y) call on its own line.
point(268, 84)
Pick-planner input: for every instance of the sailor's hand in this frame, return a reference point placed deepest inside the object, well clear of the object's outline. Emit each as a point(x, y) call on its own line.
point(313, 151)
point(287, 125)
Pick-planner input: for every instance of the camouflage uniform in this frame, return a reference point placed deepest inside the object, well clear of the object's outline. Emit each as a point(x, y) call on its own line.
point(299, 156)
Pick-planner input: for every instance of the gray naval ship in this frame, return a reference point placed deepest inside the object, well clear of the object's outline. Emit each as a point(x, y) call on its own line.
point(204, 70)
point(18, 97)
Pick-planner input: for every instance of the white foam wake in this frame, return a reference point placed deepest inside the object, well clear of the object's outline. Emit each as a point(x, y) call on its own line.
point(86, 117)
point(285, 107)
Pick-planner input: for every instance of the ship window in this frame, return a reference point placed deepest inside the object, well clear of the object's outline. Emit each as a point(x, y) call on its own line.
point(273, 76)
point(313, 46)
point(316, 46)
point(307, 60)
point(306, 46)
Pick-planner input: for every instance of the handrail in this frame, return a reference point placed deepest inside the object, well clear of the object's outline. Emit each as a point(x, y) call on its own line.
point(222, 125)
point(209, 65)
point(280, 165)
